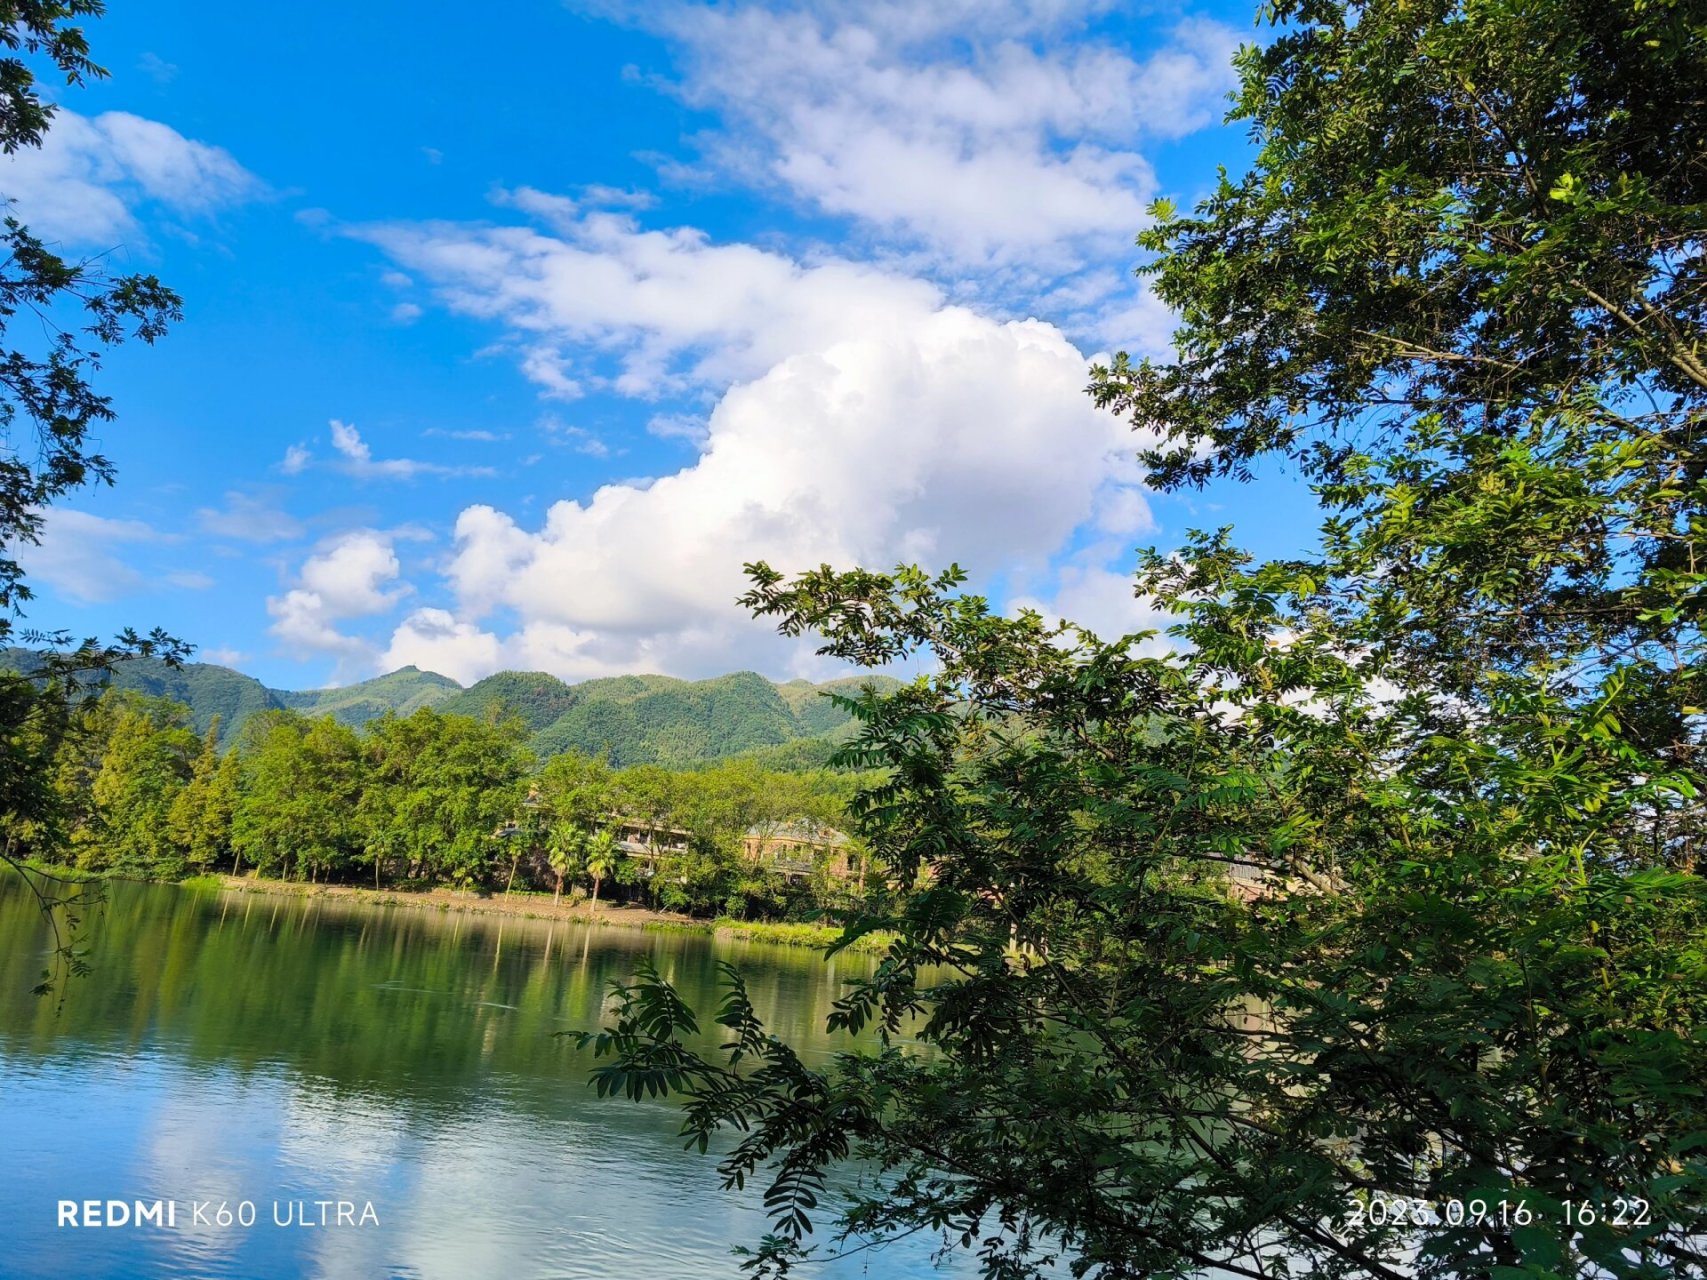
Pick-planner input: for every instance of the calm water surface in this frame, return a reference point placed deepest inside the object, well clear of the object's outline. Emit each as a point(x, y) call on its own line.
point(232, 1047)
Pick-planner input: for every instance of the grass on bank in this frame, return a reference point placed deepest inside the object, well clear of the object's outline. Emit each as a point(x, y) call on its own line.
point(818, 937)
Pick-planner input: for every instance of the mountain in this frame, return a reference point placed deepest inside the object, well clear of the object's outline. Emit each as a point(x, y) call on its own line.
point(655, 719)
point(630, 719)
point(207, 690)
point(403, 691)
point(537, 698)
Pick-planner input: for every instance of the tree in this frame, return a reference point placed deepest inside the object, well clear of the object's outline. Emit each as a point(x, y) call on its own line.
point(1455, 755)
point(297, 812)
point(200, 820)
point(604, 860)
point(48, 408)
point(566, 850)
point(435, 788)
point(145, 765)
point(575, 788)
point(77, 306)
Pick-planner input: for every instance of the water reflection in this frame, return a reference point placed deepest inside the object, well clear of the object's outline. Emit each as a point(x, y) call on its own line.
point(232, 1047)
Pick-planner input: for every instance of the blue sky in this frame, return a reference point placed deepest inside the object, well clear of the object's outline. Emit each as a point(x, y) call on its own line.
point(508, 339)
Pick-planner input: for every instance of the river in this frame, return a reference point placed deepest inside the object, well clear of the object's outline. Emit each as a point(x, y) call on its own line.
point(244, 1049)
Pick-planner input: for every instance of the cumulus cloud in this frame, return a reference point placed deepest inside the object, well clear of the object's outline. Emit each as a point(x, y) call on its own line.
point(668, 309)
point(352, 575)
point(1099, 596)
point(940, 435)
point(985, 132)
point(79, 555)
point(90, 174)
point(860, 412)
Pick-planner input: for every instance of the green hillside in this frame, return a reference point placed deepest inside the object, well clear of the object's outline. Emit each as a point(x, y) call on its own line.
point(631, 719)
point(655, 719)
point(206, 689)
point(816, 713)
point(537, 698)
point(403, 691)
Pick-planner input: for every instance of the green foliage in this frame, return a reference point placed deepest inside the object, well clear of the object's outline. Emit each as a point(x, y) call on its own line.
point(401, 692)
point(72, 313)
point(210, 692)
point(656, 720)
point(202, 813)
point(49, 408)
point(434, 790)
point(566, 853)
point(628, 720)
point(538, 700)
point(426, 798)
point(145, 764)
point(604, 860)
point(1459, 748)
point(301, 784)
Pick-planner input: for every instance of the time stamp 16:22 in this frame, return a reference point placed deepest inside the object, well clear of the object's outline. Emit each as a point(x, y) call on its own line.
point(1399, 1211)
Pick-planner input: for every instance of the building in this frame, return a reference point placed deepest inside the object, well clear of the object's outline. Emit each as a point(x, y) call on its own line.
point(645, 842)
point(797, 850)
point(1248, 881)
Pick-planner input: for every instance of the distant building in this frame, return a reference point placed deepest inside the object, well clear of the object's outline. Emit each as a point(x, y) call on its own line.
point(796, 850)
point(643, 841)
point(1248, 881)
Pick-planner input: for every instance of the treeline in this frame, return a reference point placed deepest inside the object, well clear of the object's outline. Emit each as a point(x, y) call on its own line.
point(419, 800)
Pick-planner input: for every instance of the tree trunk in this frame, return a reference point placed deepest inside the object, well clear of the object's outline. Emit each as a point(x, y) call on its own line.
point(594, 909)
point(558, 896)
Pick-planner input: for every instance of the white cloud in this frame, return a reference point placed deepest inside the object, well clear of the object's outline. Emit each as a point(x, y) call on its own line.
point(862, 414)
point(357, 460)
point(577, 438)
point(78, 555)
point(348, 576)
point(677, 426)
point(1101, 599)
point(671, 308)
point(485, 437)
point(939, 435)
point(433, 640)
point(91, 173)
point(296, 459)
point(224, 657)
point(190, 580)
point(987, 133)
point(249, 518)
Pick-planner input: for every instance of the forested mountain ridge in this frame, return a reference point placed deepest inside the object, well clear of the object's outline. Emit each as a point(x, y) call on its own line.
point(405, 690)
point(659, 719)
point(634, 719)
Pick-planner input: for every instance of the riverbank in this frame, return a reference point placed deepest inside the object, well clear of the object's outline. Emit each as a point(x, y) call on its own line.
point(530, 906)
point(519, 905)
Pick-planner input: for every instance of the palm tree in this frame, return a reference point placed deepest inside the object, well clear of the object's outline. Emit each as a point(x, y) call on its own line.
point(603, 859)
point(565, 849)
